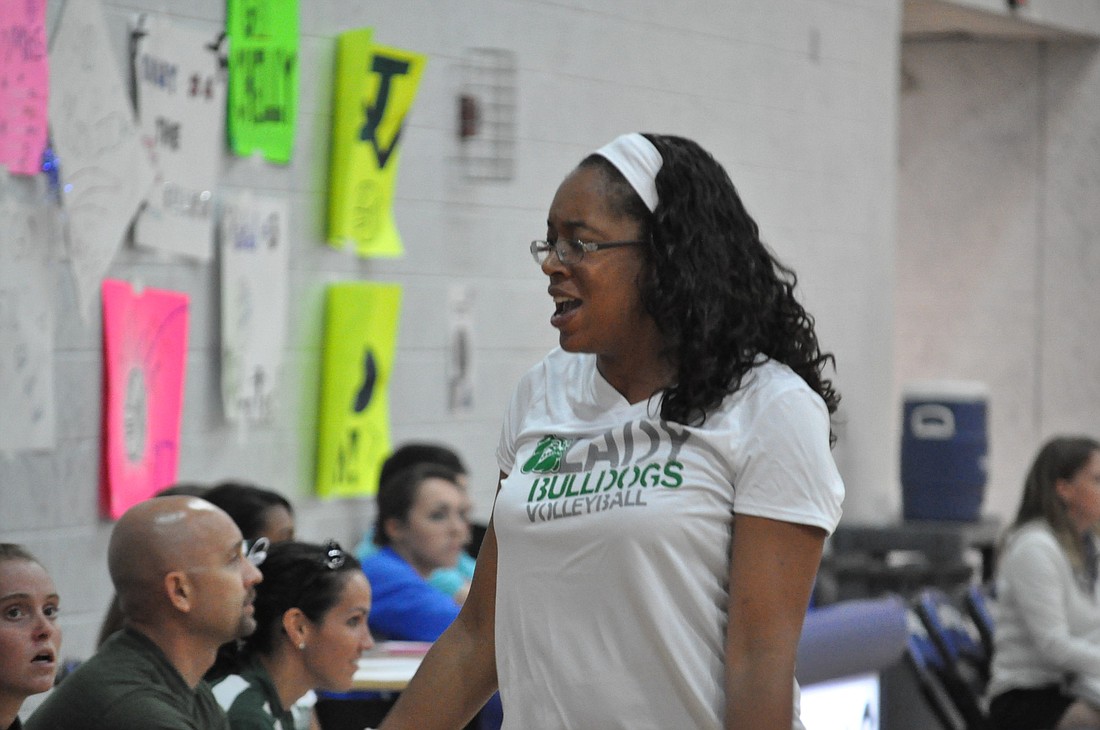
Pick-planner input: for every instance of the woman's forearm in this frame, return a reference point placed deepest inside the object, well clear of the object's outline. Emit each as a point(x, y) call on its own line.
point(456, 678)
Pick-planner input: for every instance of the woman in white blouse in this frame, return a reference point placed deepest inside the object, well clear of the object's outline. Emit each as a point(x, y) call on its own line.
point(1046, 659)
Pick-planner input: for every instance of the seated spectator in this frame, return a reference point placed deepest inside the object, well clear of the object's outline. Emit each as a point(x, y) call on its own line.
point(185, 586)
point(311, 615)
point(30, 640)
point(257, 511)
point(455, 582)
point(112, 621)
point(421, 526)
point(1046, 646)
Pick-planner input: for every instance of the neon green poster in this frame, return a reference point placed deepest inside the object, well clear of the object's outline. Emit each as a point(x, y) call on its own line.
point(375, 89)
point(359, 343)
point(263, 77)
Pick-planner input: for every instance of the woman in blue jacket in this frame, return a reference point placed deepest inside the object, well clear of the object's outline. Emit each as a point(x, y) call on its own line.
point(421, 526)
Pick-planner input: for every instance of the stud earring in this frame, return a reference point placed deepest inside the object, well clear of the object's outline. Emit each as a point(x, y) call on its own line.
point(302, 646)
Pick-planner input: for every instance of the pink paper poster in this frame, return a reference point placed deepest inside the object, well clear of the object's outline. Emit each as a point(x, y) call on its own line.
point(145, 347)
point(24, 82)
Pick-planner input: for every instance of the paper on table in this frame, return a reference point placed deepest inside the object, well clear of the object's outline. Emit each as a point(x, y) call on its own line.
point(400, 648)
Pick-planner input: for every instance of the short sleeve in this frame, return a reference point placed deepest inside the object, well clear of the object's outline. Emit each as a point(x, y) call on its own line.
point(789, 473)
point(513, 419)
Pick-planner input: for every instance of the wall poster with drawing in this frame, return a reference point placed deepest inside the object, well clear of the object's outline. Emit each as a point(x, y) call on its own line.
point(254, 260)
point(144, 352)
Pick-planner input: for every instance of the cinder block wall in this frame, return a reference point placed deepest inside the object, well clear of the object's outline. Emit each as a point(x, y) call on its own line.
point(798, 100)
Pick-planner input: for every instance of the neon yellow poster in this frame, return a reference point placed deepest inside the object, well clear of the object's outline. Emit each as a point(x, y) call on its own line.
point(359, 343)
point(263, 77)
point(375, 89)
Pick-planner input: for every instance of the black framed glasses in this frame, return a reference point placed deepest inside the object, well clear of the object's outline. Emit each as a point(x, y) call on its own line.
point(571, 251)
point(334, 555)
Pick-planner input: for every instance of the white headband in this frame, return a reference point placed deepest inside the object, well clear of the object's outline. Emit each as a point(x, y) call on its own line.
point(639, 161)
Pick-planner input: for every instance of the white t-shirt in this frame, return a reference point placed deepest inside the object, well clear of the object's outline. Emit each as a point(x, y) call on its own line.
point(613, 529)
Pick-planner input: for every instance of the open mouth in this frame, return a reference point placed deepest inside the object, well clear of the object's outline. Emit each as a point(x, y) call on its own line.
point(45, 657)
point(565, 304)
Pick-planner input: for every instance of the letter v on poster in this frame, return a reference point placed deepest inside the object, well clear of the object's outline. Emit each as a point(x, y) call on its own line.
point(375, 89)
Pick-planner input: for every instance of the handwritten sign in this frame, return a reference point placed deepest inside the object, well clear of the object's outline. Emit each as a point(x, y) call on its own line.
point(24, 85)
point(263, 77)
point(254, 262)
point(375, 89)
point(461, 373)
point(144, 349)
point(180, 93)
point(105, 170)
point(359, 343)
point(26, 324)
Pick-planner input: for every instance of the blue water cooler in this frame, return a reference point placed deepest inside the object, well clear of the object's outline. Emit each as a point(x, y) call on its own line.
point(944, 449)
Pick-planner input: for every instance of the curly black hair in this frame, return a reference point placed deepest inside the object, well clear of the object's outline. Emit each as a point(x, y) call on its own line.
point(718, 295)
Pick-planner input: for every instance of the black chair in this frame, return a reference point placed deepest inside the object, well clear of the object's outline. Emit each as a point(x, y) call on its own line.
point(978, 601)
point(964, 671)
point(926, 663)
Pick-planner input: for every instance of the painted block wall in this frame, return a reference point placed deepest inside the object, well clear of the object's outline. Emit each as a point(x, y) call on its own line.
point(797, 99)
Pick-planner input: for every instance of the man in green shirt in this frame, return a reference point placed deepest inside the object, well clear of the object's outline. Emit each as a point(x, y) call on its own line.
point(185, 586)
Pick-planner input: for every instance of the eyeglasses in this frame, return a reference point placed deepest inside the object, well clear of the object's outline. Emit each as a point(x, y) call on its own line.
point(334, 555)
point(256, 551)
point(571, 251)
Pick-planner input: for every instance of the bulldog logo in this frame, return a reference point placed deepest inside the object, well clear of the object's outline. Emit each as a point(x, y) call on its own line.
point(547, 456)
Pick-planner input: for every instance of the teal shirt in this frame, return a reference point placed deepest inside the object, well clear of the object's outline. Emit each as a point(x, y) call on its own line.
point(251, 700)
point(448, 580)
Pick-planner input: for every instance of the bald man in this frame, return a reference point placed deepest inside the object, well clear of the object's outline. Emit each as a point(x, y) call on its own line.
point(185, 587)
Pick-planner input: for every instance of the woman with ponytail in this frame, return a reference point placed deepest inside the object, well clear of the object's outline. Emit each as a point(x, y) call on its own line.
point(311, 628)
